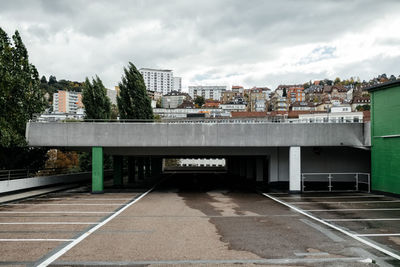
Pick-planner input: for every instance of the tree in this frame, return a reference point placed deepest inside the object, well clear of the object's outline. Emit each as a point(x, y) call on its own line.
point(95, 99)
point(43, 79)
point(284, 93)
point(133, 101)
point(199, 101)
point(20, 98)
point(337, 81)
point(52, 80)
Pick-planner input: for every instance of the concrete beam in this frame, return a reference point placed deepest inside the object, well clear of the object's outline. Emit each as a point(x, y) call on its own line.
point(205, 135)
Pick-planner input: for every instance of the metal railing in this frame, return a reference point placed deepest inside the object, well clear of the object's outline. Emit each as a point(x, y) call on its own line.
point(28, 173)
point(266, 120)
point(335, 182)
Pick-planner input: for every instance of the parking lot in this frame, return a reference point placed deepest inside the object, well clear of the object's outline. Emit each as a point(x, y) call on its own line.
point(199, 223)
point(374, 218)
point(32, 228)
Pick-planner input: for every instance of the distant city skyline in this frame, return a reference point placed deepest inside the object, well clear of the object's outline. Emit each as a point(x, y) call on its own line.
point(226, 42)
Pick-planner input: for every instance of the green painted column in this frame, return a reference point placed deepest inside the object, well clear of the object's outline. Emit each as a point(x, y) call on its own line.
point(141, 168)
point(97, 170)
point(118, 169)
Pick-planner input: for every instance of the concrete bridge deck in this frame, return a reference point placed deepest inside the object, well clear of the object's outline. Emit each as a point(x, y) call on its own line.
point(149, 137)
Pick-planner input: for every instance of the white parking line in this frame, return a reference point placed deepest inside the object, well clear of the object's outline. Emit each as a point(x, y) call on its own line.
point(378, 235)
point(92, 230)
point(332, 197)
point(50, 223)
point(56, 212)
point(305, 213)
point(346, 202)
point(360, 220)
point(62, 204)
point(78, 199)
point(34, 240)
point(352, 209)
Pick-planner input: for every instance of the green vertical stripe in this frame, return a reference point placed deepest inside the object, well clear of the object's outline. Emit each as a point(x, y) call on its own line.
point(97, 170)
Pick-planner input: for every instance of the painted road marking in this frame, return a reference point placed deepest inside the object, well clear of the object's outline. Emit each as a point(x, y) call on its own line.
point(396, 234)
point(305, 213)
point(17, 223)
point(63, 204)
point(346, 202)
point(353, 209)
point(34, 240)
point(196, 262)
point(360, 220)
point(61, 252)
point(362, 196)
point(56, 212)
point(71, 198)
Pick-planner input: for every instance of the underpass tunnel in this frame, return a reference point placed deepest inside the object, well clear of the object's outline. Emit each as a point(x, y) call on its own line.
point(270, 169)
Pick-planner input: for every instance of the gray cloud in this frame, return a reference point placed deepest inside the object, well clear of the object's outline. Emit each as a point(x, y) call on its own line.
point(201, 39)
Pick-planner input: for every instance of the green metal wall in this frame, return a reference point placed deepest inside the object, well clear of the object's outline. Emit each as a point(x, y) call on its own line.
point(385, 151)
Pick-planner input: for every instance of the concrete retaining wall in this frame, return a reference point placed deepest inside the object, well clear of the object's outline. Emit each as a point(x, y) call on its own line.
point(26, 183)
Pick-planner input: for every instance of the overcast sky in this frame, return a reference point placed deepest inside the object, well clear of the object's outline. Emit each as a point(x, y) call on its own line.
point(210, 42)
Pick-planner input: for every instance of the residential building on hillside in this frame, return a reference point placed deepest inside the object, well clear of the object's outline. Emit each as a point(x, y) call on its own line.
point(279, 103)
point(339, 91)
point(67, 102)
point(207, 92)
point(173, 99)
point(298, 106)
point(296, 94)
point(340, 108)
point(257, 99)
point(158, 80)
point(331, 117)
point(360, 101)
point(233, 107)
point(177, 84)
point(234, 96)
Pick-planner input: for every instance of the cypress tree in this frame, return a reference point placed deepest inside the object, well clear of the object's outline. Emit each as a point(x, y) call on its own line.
point(20, 93)
point(20, 97)
point(133, 101)
point(95, 99)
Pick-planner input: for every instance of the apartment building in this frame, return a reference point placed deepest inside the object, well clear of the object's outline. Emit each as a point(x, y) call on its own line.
point(208, 92)
point(177, 84)
point(67, 102)
point(158, 80)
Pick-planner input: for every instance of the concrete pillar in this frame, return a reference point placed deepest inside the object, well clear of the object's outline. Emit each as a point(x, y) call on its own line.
point(273, 166)
point(131, 169)
point(118, 170)
point(295, 169)
point(140, 164)
point(249, 168)
point(259, 170)
point(97, 170)
point(147, 166)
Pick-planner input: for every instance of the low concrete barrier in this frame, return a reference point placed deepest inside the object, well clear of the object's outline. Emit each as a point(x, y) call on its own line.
point(26, 183)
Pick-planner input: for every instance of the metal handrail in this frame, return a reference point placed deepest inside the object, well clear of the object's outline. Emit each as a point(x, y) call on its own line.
point(330, 179)
point(199, 121)
point(27, 173)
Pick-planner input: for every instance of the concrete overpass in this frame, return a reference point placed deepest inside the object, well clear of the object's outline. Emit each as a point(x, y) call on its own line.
point(269, 152)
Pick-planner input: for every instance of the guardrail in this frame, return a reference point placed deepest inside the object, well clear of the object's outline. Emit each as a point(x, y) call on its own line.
point(335, 182)
point(266, 120)
point(27, 173)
